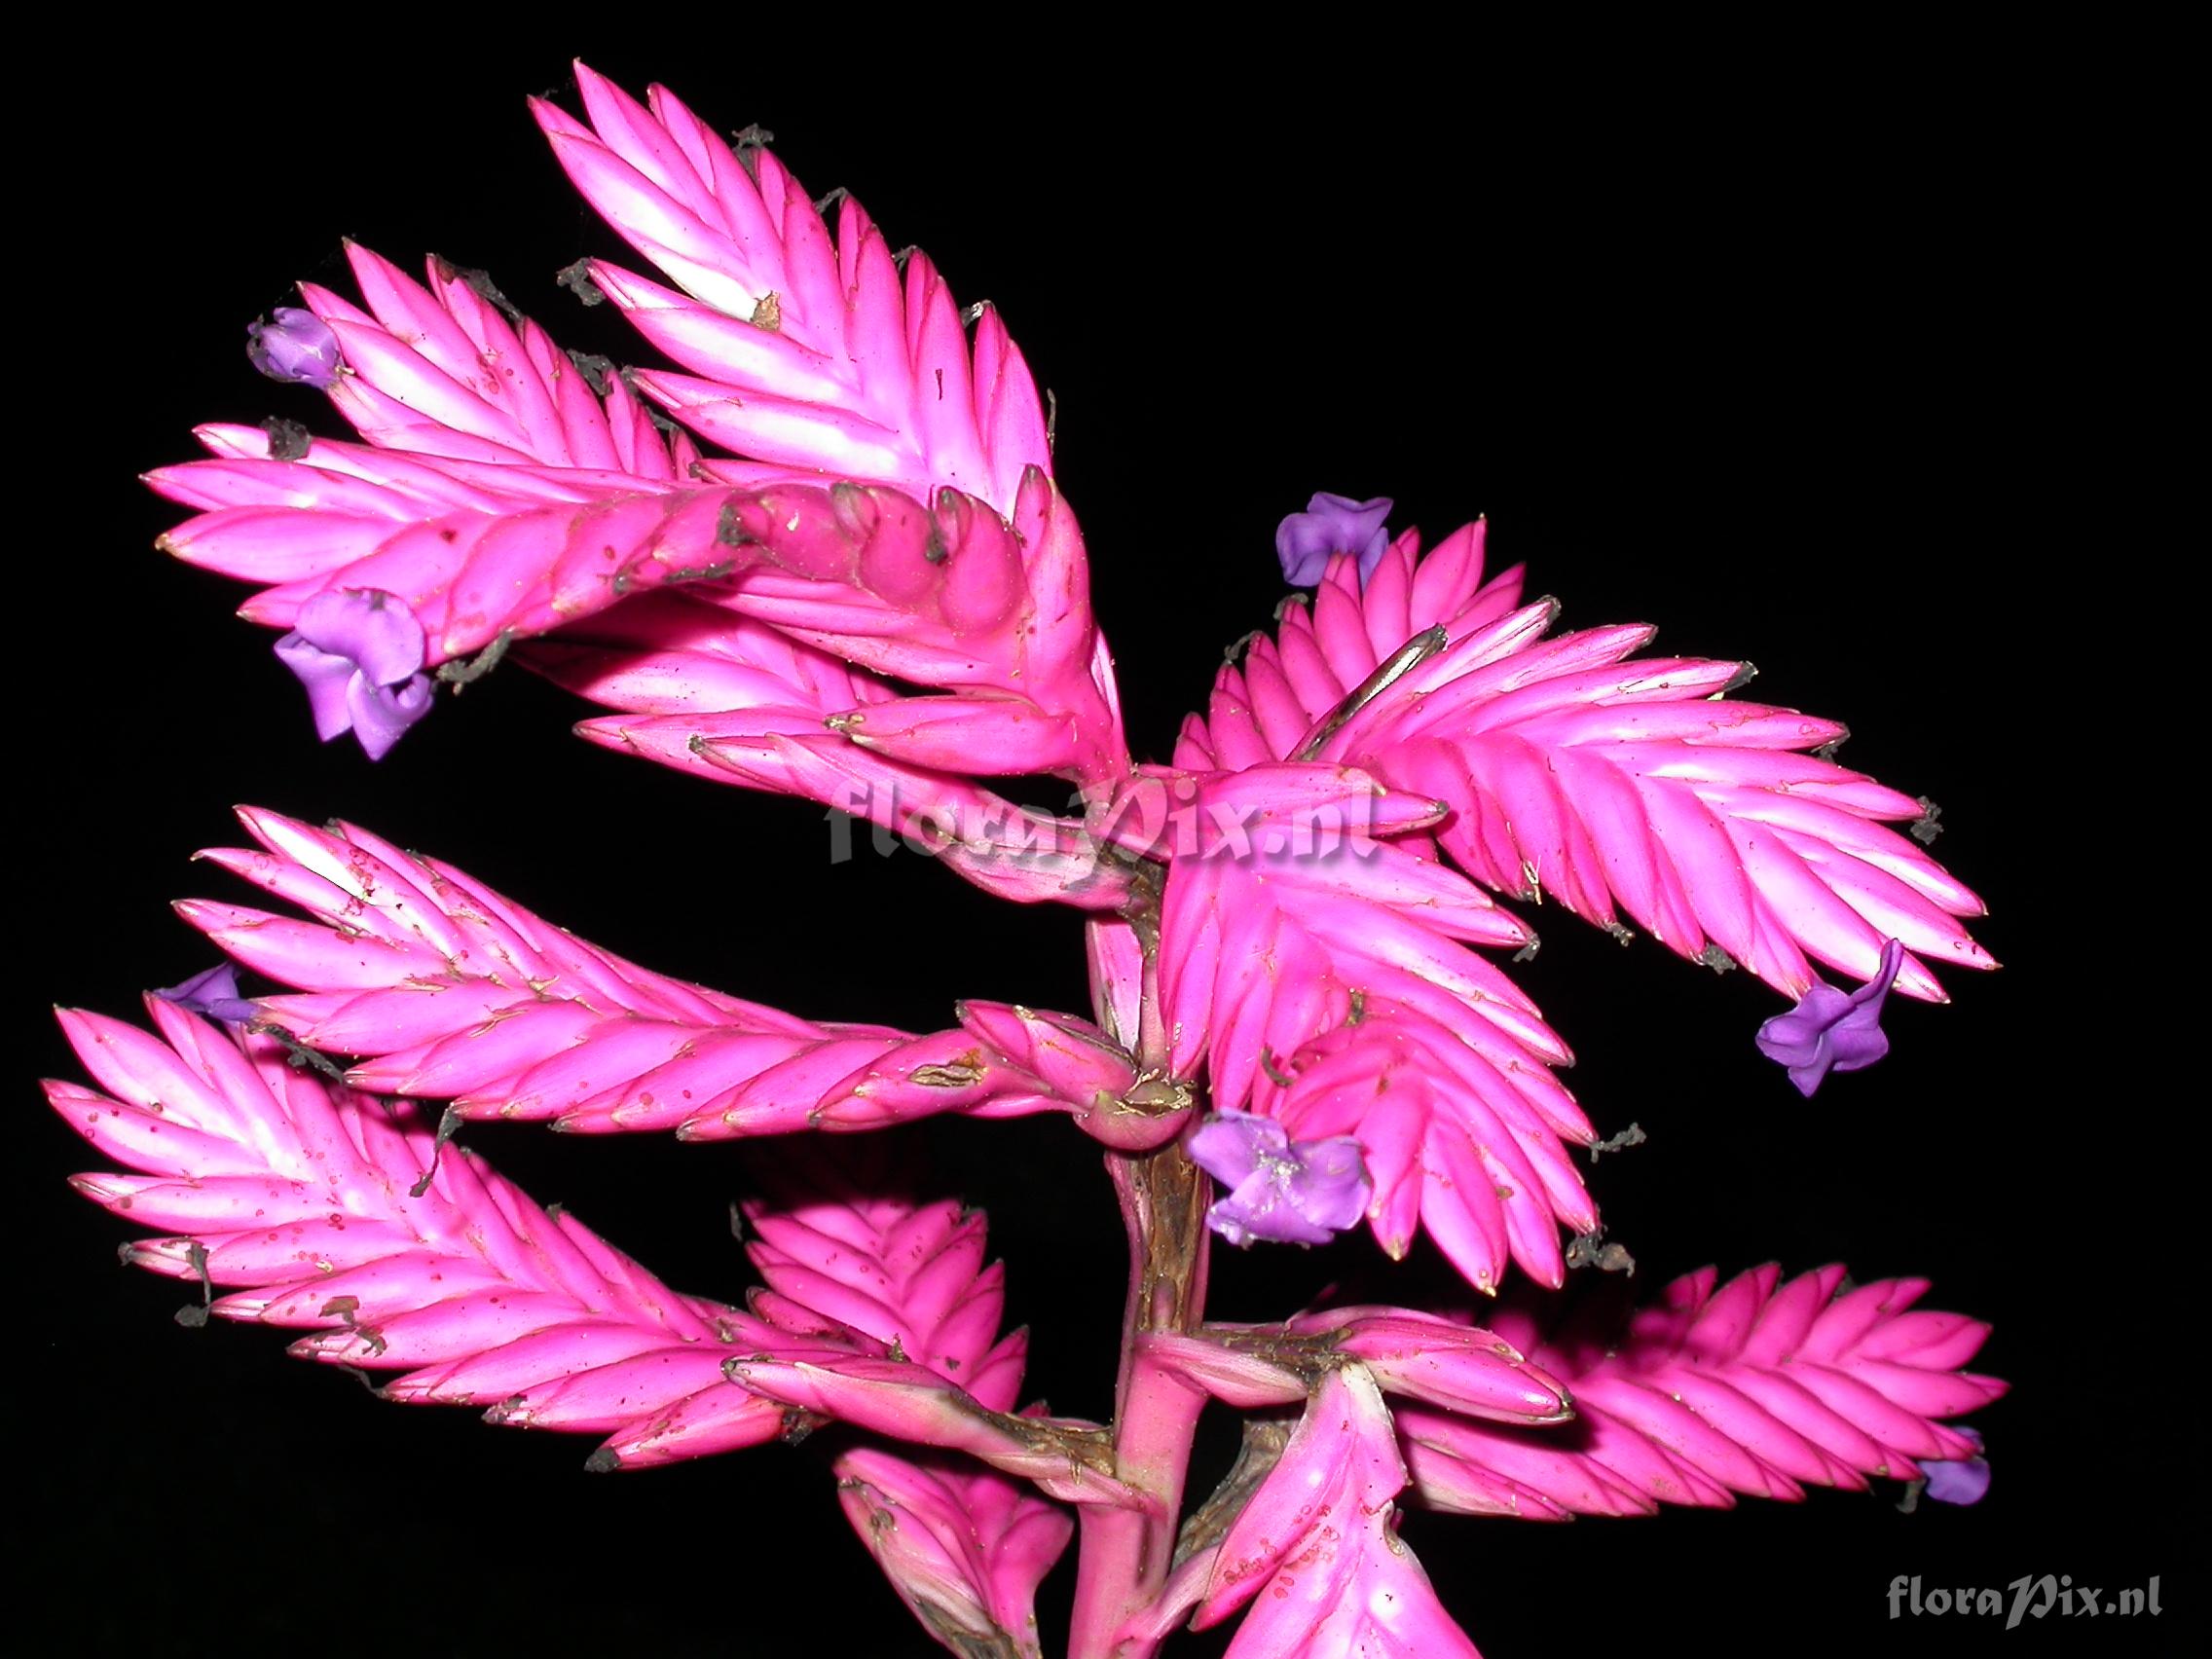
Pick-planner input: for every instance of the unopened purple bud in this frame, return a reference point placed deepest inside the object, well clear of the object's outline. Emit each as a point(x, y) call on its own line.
point(1284, 1190)
point(213, 993)
point(294, 344)
point(1330, 525)
point(1831, 1031)
point(359, 653)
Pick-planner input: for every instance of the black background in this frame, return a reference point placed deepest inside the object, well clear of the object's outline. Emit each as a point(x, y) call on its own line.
point(1777, 370)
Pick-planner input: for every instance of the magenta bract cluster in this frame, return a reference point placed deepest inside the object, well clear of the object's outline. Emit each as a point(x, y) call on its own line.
point(822, 553)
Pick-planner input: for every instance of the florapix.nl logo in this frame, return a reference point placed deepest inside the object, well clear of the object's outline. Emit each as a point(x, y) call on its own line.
point(2025, 1598)
point(1156, 814)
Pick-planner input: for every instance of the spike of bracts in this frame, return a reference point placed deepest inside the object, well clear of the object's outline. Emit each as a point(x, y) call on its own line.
point(1760, 1387)
point(451, 992)
point(1573, 773)
point(814, 357)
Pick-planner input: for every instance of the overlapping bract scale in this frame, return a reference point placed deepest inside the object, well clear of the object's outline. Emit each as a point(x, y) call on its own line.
point(838, 1241)
point(438, 369)
point(1316, 1550)
point(1311, 964)
point(1758, 1386)
point(837, 359)
point(1443, 1363)
point(1464, 1128)
point(1003, 1061)
point(732, 699)
point(452, 992)
point(965, 1549)
point(1609, 783)
point(909, 1275)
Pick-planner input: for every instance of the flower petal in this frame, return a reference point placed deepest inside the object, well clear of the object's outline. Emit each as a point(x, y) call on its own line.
point(326, 678)
point(1331, 1188)
point(1964, 1480)
point(1331, 525)
point(382, 714)
point(1228, 1145)
point(214, 993)
point(1283, 1190)
point(375, 629)
point(1831, 1031)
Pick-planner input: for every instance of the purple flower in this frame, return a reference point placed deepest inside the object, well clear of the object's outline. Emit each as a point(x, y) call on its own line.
point(1829, 1031)
point(213, 993)
point(1964, 1479)
point(294, 344)
point(1331, 523)
point(359, 653)
point(1284, 1190)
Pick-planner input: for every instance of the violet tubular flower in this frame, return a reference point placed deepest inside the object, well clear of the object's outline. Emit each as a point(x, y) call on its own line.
point(1331, 525)
point(294, 345)
point(214, 993)
point(1287, 1192)
point(359, 653)
point(1830, 1030)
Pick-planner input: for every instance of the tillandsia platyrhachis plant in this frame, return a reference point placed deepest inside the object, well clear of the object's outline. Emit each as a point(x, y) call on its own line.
point(826, 557)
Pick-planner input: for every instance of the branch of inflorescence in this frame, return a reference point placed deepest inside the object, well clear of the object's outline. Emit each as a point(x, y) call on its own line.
point(1125, 1555)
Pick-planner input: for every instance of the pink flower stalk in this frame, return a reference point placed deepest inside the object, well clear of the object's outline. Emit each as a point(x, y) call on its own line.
point(736, 701)
point(824, 556)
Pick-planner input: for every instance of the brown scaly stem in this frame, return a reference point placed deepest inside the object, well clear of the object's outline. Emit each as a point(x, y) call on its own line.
point(1125, 1552)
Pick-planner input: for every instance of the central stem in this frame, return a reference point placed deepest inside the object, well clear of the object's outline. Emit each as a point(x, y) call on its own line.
point(1125, 1552)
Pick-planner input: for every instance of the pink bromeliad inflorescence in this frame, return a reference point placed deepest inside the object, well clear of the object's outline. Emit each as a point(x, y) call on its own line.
point(824, 555)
